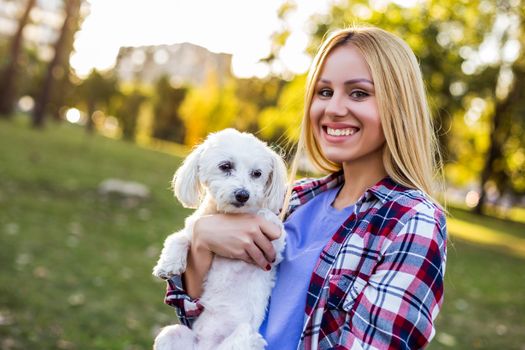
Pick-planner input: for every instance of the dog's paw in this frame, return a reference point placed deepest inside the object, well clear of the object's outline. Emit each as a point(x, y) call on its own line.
point(161, 272)
point(175, 337)
point(167, 269)
point(269, 216)
point(243, 338)
point(278, 246)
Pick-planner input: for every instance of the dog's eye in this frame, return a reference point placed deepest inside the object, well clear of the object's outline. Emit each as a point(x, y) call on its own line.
point(256, 173)
point(226, 166)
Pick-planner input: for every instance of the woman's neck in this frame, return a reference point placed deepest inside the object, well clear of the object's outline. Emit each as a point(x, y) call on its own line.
point(359, 176)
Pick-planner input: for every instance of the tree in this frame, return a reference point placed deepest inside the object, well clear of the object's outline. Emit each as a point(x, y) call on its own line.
point(460, 46)
point(507, 117)
point(209, 108)
point(9, 74)
point(168, 124)
point(255, 95)
point(58, 68)
point(280, 123)
point(96, 91)
point(128, 111)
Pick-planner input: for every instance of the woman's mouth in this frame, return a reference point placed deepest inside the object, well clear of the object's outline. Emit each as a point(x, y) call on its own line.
point(341, 131)
point(336, 133)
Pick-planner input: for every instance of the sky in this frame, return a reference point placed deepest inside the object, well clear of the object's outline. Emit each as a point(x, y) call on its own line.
point(239, 27)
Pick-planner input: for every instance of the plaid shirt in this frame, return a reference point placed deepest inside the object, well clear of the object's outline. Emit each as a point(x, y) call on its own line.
point(378, 284)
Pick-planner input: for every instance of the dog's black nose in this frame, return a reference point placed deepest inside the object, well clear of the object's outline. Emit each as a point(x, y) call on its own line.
point(242, 196)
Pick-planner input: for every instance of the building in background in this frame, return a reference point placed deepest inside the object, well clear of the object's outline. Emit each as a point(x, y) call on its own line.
point(184, 63)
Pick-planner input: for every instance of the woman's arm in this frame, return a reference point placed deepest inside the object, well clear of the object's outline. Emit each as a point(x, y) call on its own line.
point(236, 236)
point(198, 264)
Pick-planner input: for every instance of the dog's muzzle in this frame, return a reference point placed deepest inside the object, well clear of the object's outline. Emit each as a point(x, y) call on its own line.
point(241, 196)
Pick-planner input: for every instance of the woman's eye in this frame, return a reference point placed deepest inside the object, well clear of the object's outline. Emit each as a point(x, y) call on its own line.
point(226, 166)
point(358, 94)
point(325, 92)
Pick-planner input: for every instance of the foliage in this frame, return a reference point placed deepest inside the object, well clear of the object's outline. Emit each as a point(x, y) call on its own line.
point(280, 123)
point(127, 107)
point(96, 92)
point(466, 55)
point(471, 54)
point(97, 89)
point(168, 124)
point(255, 95)
point(208, 108)
point(57, 77)
point(10, 68)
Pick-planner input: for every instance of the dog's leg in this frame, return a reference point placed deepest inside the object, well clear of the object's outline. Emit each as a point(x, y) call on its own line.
point(175, 337)
point(172, 260)
point(243, 338)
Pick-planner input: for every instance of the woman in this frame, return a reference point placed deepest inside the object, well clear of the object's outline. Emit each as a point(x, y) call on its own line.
point(366, 245)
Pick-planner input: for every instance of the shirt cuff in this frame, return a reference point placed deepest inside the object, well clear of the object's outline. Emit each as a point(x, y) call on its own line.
point(187, 308)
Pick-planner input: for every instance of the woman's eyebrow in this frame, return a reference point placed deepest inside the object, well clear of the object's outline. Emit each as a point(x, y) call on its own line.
point(349, 82)
point(362, 80)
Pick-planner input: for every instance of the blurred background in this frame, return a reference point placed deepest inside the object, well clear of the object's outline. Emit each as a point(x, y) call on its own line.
point(101, 99)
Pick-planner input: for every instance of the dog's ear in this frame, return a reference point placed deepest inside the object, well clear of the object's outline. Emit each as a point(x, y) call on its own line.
point(276, 185)
point(186, 184)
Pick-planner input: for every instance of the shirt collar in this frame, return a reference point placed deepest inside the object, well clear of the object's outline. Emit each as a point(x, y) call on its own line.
point(384, 190)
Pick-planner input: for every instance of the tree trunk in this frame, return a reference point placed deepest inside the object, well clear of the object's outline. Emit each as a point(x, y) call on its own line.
point(498, 134)
point(90, 123)
point(9, 74)
point(60, 62)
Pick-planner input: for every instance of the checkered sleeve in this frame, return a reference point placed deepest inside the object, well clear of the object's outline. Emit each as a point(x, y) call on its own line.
point(397, 307)
point(187, 308)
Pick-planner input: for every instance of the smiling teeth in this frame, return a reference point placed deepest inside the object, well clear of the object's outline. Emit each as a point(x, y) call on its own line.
point(340, 132)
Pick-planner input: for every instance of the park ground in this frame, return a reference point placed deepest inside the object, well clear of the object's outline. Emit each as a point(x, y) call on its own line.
point(76, 265)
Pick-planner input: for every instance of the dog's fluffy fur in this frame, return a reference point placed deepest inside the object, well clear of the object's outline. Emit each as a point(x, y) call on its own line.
point(217, 177)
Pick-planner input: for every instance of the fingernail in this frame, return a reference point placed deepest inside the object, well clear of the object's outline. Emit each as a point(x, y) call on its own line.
point(268, 267)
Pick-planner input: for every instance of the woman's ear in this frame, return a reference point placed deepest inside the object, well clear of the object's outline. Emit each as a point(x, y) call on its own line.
point(186, 184)
point(276, 184)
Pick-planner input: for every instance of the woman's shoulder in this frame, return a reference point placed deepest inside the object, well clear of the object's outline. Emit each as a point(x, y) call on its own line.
point(408, 212)
point(409, 202)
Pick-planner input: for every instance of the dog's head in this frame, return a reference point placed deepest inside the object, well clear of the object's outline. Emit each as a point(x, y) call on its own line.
point(240, 172)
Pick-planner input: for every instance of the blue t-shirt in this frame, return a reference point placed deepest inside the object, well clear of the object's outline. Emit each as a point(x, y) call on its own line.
point(308, 230)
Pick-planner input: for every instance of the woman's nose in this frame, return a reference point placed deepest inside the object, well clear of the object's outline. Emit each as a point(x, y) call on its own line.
point(336, 106)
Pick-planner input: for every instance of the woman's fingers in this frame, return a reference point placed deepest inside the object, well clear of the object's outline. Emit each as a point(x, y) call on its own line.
point(247, 237)
point(257, 256)
point(265, 246)
point(269, 229)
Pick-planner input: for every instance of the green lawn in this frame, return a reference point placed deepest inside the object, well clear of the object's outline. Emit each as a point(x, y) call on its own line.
point(76, 266)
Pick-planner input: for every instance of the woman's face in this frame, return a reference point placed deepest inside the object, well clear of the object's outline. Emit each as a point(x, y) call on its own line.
point(344, 113)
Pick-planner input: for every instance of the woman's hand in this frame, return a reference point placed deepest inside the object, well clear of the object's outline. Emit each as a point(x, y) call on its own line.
point(237, 236)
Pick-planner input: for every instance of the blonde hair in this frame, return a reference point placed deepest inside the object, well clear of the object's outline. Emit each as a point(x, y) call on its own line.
point(410, 156)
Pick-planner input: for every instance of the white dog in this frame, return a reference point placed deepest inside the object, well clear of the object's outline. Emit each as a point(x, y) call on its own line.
point(230, 172)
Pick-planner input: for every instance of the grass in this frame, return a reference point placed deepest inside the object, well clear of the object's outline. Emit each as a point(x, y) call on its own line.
point(76, 266)
point(484, 304)
point(507, 236)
